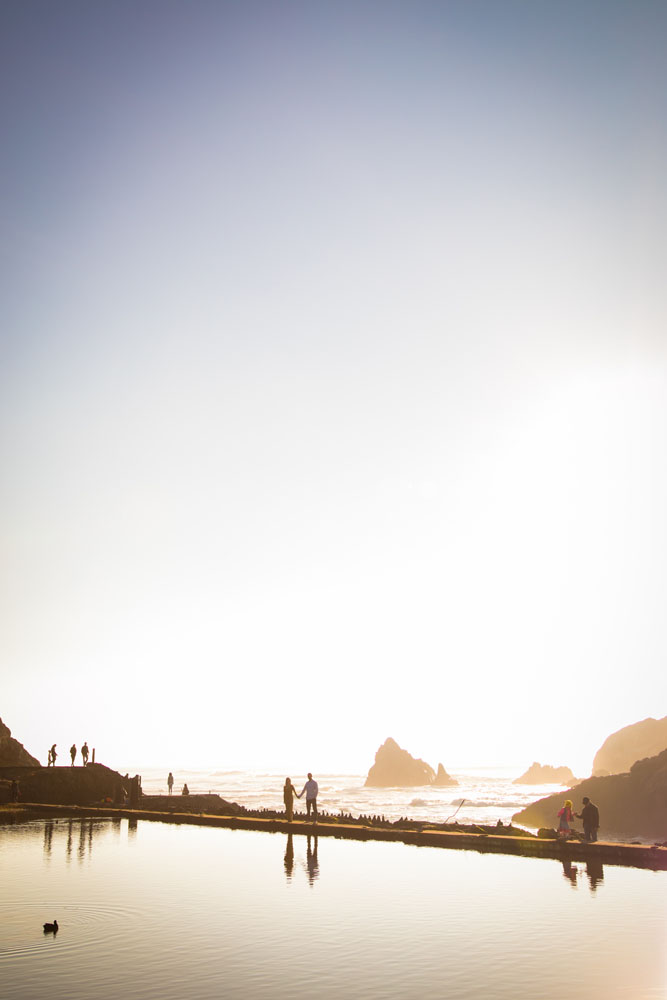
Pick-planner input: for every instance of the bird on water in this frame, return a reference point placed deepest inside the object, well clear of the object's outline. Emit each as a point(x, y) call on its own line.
point(51, 928)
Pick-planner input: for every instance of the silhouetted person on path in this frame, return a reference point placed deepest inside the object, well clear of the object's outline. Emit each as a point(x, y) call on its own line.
point(289, 791)
point(186, 790)
point(310, 788)
point(84, 753)
point(52, 756)
point(590, 816)
point(170, 782)
point(72, 752)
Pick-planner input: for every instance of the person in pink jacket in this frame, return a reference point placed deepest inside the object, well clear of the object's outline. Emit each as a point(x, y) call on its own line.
point(566, 817)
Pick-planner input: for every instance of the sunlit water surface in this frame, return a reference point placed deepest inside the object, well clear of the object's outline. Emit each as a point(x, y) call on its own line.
point(153, 910)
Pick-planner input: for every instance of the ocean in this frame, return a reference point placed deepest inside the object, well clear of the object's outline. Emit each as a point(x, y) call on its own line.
point(483, 795)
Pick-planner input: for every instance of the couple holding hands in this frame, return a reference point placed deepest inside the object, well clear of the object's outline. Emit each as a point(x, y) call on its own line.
point(289, 792)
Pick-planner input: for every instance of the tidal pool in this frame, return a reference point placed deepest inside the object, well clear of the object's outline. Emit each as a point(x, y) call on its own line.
point(154, 910)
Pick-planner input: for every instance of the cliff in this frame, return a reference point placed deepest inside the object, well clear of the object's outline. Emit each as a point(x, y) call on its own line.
point(620, 750)
point(631, 805)
point(545, 774)
point(394, 768)
point(13, 752)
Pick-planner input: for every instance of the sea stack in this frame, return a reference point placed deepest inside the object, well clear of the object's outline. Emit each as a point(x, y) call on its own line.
point(545, 774)
point(442, 779)
point(396, 768)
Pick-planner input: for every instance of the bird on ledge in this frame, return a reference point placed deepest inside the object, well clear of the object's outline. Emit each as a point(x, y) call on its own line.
point(51, 928)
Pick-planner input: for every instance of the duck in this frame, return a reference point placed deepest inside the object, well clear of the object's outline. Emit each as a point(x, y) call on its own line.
point(51, 928)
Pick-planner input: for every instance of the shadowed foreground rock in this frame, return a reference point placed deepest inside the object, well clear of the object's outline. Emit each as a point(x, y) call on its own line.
point(396, 768)
point(95, 784)
point(13, 752)
point(632, 743)
point(631, 805)
point(65, 785)
point(545, 774)
point(211, 804)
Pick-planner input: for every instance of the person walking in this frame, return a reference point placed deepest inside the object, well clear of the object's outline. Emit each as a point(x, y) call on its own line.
point(566, 817)
point(52, 756)
point(590, 816)
point(170, 782)
point(311, 789)
point(72, 752)
point(289, 791)
point(84, 753)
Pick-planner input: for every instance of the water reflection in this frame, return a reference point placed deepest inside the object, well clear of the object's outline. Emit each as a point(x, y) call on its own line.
point(86, 831)
point(570, 872)
point(48, 838)
point(289, 857)
point(594, 871)
point(311, 865)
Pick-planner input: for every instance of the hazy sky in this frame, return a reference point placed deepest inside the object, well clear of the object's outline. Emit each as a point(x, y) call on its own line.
point(333, 379)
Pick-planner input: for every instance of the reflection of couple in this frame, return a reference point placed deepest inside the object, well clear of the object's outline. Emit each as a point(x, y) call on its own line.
point(594, 870)
point(312, 864)
point(289, 791)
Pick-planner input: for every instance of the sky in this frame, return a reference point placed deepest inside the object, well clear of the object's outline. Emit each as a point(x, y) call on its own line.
point(333, 379)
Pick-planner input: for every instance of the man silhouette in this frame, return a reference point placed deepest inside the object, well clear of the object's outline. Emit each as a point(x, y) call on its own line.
point(591, 819)
point(310, 788)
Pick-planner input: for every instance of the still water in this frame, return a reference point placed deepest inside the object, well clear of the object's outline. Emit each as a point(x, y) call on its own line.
point(159, 911)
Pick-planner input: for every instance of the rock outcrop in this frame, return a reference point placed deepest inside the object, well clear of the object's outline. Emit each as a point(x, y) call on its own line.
point(631, 805)
point(80, 786)
point(211, 804)
point(394, 768)
point(12, 752)
point(620, 750)
point(545, 774)
point(442, 779)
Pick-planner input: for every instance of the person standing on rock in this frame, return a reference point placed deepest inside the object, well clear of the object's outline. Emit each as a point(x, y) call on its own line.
point(289, 791)
point(311, 789)
point(52, 756)
point(590, 816)
point(72, 752)
point(84, 753)
point(170, 782)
